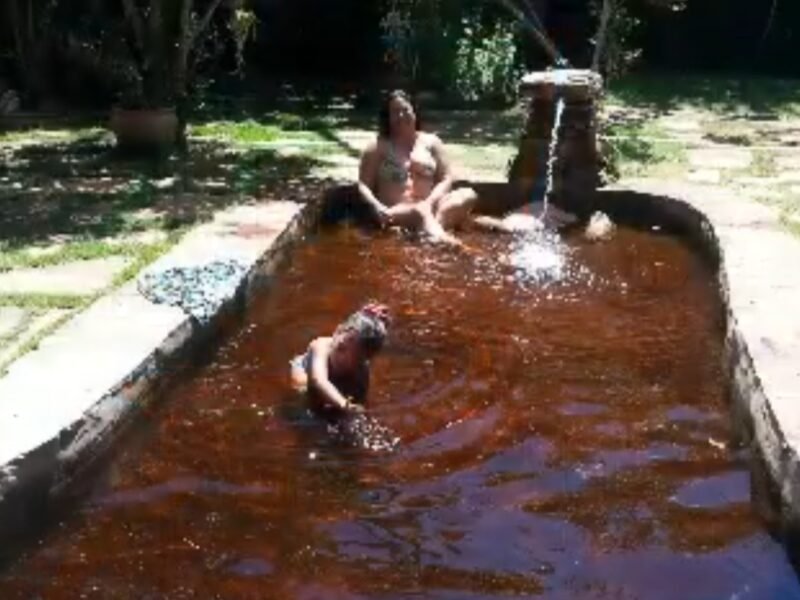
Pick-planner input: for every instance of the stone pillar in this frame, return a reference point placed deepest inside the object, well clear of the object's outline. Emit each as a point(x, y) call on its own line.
point(576, 172)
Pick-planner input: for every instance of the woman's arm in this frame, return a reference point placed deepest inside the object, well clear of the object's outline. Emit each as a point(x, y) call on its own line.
point(444, 171)
point(367, 180)
point(319, 379)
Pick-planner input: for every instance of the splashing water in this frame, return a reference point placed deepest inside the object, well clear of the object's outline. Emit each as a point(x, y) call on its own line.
point(365, 432)
point(539, 257)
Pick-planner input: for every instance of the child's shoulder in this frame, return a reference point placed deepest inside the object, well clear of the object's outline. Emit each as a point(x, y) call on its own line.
point(320, 344)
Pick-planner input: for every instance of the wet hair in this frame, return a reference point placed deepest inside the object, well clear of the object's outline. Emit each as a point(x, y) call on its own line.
point(384, 123)
point(370, 326)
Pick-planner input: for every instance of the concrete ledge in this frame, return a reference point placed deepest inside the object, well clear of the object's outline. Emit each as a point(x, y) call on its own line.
point(63, 405)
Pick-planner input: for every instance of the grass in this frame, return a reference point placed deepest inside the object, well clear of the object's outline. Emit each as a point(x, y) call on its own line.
point(146, 255)
point(251, 131)
point(40, 301)
point(641, 148)
point(33, 342)
point(791, 225)
point(70, 252)
point(735, 133)
point(10, 336)
point(763, 164)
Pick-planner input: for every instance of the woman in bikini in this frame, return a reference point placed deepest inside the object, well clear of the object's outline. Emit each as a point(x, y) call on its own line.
point(406, 178)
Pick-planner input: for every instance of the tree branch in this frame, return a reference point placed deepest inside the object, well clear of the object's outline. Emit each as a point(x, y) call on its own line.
point(135, 20)
point(155, 26)
point(539, 35)
point(31, 26)
point(183, 47)
point(770, 20)
point(16, 26)
point(206, 19)
point(602, 34)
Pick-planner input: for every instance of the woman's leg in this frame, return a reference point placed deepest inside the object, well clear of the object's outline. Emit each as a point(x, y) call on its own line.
point(527, 220)
point(513, 223)
point(454, 209)
point(419, 217)
point(407, 216)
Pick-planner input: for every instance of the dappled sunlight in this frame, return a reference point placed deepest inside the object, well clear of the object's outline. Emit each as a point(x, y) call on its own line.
point(85, 190)
point(762, 98)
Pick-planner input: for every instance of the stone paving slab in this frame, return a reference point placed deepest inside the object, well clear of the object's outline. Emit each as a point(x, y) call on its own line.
point(36, 325)
point(80, 277)
point(704, 176)
point(788, 161)
point(681, 123)
point(49, 389)
point(761, 182)
point(720, 158)
point(11, 319)
point(788, 176)
point(63, 403)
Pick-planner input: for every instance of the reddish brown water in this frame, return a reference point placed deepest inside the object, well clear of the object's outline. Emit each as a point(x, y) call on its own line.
point(558, 441)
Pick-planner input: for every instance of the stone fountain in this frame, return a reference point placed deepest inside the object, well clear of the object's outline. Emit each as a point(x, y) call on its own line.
point(576, 164)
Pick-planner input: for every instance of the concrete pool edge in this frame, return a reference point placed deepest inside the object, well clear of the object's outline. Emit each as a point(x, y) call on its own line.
point(66, 403)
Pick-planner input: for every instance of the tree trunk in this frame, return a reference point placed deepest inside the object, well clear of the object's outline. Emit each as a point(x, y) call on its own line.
point(768, 27)
point(158, 71)
point(30, 45)
point(601, 38)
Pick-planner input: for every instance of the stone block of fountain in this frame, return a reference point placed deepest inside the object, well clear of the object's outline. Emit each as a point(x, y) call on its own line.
point(576, 161)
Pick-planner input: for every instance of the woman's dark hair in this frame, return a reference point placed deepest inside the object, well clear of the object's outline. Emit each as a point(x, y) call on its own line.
point(384, 125)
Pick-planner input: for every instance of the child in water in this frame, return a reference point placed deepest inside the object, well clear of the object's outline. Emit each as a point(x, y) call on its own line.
point(335, 370)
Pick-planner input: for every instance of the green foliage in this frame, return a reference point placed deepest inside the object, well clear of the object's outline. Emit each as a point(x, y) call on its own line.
point(286, 127)
point(620, 52)
point(463, 47)
point(639, 148)
point(243, 26)
point(241, 131)
point(486, 63)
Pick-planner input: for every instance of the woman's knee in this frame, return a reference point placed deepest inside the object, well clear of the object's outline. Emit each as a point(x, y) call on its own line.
point(456, 206)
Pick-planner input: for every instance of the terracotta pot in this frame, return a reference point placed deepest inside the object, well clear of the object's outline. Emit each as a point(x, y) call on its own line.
point(144, 127)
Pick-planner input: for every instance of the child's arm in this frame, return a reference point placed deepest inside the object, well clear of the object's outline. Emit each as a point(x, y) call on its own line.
point(318, 376)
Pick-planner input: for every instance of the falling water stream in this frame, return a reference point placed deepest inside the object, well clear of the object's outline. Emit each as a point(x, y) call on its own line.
point(552, 152)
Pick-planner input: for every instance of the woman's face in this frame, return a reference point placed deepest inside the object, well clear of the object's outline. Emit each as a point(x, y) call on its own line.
point(402, 119)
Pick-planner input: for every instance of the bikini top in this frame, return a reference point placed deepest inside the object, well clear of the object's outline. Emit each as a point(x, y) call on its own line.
point(394, 170)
